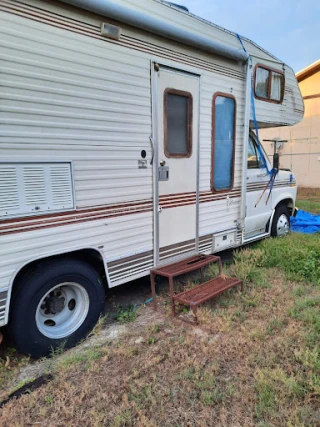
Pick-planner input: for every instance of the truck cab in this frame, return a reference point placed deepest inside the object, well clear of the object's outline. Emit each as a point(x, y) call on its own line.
point(269, 204)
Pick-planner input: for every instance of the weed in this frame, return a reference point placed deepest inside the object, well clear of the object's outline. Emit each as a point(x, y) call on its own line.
point(274, 326)
point(58, 351)
point(239, 315)
point(250, 301)
point(127, 315)
point(99, 325)
point(299, 292)
point(310, 358)
point(245, 264)
point(155, 329)
point(48, 399)
point(151, 340)
point(122, 419)
point(210, 397)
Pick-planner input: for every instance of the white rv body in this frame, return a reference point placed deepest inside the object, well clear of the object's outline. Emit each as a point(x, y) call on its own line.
point(77, 111)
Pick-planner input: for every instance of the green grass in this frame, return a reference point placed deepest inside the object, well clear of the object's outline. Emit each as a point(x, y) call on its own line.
point(309, 206)
point(297, 255)
point(309, 200)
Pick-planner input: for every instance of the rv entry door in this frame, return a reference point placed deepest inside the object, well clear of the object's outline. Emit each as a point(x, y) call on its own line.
point(176, 121)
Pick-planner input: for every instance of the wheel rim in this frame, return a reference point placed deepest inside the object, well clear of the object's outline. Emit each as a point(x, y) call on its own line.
point(283, 225)
point(62, 310)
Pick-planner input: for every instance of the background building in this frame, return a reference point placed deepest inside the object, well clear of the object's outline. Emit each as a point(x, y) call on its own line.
point(302, 151)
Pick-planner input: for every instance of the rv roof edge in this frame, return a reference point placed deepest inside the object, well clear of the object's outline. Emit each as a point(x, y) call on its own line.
point(156, 26)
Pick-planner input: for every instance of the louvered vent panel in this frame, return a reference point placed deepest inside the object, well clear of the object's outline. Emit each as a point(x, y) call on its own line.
point(60, 178)
point(9, 194)
point(35, 185)
point(35, 188)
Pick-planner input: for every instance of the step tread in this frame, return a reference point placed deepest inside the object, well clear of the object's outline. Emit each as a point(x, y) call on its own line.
point(207, 290)
point(185, 266)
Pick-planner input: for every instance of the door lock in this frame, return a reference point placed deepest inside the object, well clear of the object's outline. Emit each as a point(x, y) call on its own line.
point(162, 163)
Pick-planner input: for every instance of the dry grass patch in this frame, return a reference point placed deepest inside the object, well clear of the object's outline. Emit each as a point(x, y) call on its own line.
point(254, 359)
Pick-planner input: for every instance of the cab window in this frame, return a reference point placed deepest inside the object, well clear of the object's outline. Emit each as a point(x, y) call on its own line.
point(253, 158)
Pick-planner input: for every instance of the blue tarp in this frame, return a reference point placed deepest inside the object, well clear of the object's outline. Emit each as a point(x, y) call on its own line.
point(305, 222)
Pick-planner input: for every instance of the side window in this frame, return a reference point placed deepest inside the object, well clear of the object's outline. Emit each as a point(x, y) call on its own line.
point(253, 162)
point(177, 123)
point(268, 84)
point(223, 141)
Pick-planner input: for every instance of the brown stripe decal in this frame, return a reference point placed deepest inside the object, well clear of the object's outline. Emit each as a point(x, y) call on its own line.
point(177, 249)
point(31, 223)
point(128, 266)
point(73, 217)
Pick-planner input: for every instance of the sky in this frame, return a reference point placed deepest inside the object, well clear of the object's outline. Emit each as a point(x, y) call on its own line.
point(289, 29)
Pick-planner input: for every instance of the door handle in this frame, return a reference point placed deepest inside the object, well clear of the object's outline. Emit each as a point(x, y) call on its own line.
point(262, 174)
point(152, 149)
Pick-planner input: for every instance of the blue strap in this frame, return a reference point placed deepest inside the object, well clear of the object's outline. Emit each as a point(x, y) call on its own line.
point(240, 40)
point(273, 172)
point(260, 152)
point(262, 158)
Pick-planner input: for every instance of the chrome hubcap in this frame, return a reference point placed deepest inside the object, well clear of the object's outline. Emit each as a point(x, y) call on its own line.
point(283, 225)
point(62, 310)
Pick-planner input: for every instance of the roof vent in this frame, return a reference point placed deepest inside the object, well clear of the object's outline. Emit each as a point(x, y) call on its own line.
point(179, 6)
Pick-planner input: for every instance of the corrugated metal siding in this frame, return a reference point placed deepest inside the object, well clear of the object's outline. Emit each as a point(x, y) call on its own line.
point(49, 105)
point(69, 97)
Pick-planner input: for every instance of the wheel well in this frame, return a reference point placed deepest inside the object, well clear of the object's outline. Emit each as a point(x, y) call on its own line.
point(286, 202)
point(289, 203)
point(90, 256)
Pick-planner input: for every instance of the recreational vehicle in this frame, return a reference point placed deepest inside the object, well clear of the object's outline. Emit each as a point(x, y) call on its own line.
point(128, 140)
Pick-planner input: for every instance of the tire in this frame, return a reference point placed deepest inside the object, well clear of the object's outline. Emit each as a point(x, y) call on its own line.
point(281, 222)
point(55, 306)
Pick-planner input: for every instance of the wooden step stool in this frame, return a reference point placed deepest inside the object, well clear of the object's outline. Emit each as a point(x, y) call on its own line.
point(200, 293)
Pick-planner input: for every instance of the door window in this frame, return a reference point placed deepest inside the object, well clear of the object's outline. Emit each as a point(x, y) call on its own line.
point(223, 141)
point(177, 123)
point(253, 162)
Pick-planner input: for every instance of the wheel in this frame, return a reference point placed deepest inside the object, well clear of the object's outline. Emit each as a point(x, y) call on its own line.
point(56, 306)
point(281, 222)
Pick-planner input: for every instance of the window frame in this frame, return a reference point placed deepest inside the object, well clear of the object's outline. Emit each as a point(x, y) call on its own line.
point(188, 95)
point(225, 95)
point(269, 99)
